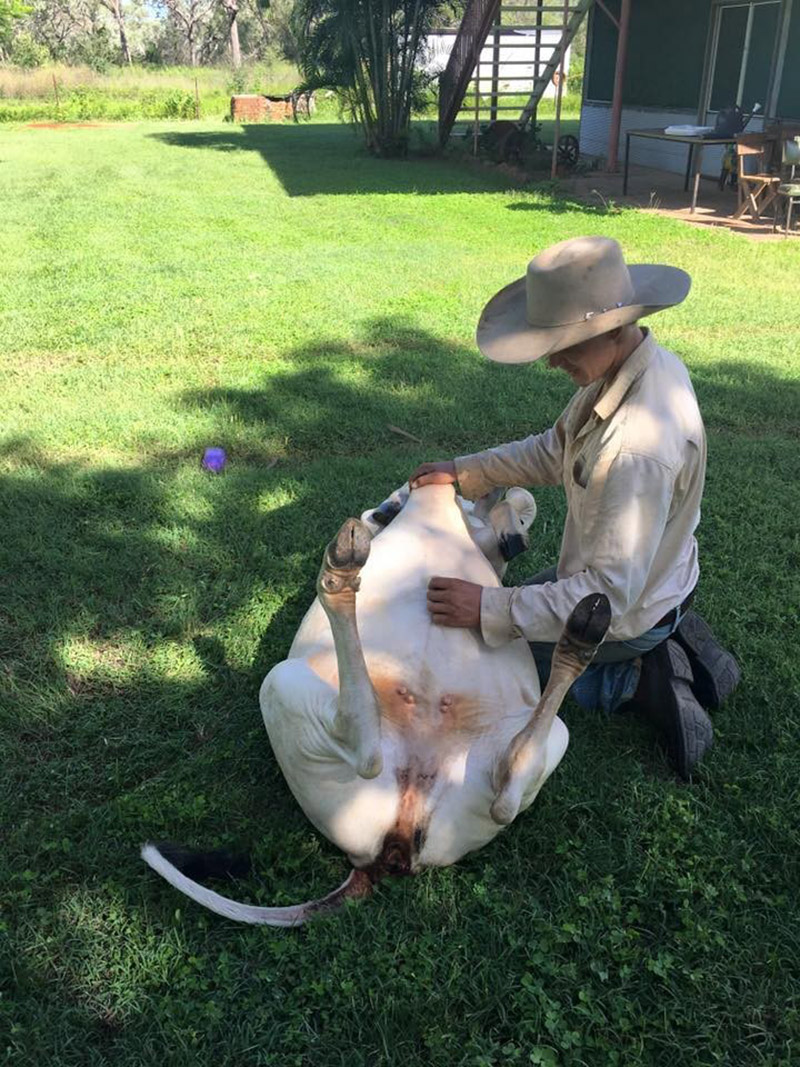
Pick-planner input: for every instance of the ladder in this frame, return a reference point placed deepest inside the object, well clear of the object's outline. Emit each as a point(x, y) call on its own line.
point(534, 30)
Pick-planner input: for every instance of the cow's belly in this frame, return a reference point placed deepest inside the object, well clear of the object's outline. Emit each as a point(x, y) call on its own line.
point(450, 705)
point(401, 645)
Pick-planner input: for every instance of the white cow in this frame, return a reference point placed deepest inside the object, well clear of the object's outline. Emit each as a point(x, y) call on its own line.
point(409, 744)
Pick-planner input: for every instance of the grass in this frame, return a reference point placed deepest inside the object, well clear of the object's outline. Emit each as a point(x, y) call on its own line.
point(273, 290)
point(60, 92)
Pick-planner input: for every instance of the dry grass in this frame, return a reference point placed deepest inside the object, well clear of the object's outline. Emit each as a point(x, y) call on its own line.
point(272, 76)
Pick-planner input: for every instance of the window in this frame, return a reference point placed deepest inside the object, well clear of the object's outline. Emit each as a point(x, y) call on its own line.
point(742, 59)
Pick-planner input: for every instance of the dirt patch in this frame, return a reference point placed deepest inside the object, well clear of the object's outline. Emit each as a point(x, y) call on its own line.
point(61, 125)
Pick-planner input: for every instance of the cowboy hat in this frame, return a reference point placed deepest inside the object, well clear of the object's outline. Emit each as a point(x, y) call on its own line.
point(572, 291)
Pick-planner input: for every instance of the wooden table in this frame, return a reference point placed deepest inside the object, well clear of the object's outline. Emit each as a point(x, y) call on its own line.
point(695, 144)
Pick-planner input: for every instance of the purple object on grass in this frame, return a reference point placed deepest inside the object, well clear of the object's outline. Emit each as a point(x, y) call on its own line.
point(214, 459)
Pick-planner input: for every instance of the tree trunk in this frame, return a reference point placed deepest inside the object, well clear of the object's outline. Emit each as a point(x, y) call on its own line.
point(236, 52)
point(115, 8)
point(123, 40)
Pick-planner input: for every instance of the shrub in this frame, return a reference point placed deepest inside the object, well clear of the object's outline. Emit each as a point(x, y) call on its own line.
point(575, 75)
point(27, 53)
point(177, 104)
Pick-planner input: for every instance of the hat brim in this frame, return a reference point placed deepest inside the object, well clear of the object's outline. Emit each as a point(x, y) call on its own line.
point(505, 335)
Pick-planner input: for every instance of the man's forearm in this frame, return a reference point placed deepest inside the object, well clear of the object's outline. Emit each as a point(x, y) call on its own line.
point(537, 460)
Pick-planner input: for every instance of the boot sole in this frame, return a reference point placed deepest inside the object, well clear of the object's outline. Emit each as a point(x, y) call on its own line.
point(675, 709)
point(716, 672)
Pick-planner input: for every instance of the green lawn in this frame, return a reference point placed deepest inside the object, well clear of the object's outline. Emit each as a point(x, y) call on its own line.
point(273, 290)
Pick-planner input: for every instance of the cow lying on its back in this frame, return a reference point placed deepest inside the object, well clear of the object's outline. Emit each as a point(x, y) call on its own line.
point(406, 743)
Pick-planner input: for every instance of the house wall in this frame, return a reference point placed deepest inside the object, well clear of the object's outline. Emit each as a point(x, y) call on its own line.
point(663, 155)
point(666, 46)
point(666, 51)
point(514, 75)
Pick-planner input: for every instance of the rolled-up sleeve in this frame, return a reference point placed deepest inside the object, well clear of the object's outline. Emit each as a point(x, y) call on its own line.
point(536, 460)
point(629, 505)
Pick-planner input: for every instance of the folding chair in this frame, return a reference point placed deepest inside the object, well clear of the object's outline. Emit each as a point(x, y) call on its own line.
point(789, 188)
point(757, 188)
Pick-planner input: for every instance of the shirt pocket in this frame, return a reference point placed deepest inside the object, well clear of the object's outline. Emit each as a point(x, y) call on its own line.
point(580, 471)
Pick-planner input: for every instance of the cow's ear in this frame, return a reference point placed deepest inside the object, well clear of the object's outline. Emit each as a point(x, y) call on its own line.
point(523, 503)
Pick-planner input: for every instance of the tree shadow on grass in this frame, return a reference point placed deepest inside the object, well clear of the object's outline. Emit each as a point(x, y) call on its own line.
point(141, 606)
point(558, 205)
point(329, 159)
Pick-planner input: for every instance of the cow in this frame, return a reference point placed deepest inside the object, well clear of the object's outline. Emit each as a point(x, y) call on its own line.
point(406, 743)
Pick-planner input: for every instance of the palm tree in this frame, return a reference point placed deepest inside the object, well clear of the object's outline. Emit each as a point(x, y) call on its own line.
point(369, 50)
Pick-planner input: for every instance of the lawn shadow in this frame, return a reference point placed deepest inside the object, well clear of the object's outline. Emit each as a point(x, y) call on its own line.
point(558, 205)
point(155, 598)
point(329, 159)
point(140, 607)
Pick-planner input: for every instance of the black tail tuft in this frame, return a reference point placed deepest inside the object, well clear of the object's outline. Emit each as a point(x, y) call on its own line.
point(204, 866)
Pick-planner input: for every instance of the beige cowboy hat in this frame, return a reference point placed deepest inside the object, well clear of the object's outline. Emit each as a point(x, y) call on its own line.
point(572, 291)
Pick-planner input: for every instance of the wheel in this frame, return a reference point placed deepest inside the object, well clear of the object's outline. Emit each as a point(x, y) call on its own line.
point(567, 151)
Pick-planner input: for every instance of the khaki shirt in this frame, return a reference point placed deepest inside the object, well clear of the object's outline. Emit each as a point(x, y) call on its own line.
point(632, 459)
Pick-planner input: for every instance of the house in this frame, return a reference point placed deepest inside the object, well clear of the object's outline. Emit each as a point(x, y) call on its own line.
point(650, 63)
point(685, 61)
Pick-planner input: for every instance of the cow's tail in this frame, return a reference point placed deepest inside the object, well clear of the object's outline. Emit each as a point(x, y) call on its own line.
point(358, 884)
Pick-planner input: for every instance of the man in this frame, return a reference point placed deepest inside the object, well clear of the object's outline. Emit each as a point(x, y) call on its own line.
point(630, 451)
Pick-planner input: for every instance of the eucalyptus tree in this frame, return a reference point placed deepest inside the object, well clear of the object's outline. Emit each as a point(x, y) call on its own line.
point(370, 50)
point(114, 7)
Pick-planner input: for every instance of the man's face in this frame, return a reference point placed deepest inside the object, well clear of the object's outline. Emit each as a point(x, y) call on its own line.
point(589, 360)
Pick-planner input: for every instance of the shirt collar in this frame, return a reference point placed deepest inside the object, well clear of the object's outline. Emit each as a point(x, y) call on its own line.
point(630, 370)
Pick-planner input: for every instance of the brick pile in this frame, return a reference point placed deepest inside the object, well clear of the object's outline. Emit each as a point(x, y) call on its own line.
point(253, 107)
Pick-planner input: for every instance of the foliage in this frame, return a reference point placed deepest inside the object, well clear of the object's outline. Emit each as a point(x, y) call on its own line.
point(27, 53)
point(136, 92)
point(164, 32)
point(262, 289)
point(10, 12)
point(369, 53)
point(95, 49)
point(575, 75)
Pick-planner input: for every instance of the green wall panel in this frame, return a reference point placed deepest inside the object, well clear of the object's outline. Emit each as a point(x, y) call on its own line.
point(789, 97)
point(666, 49)
point(666, 45)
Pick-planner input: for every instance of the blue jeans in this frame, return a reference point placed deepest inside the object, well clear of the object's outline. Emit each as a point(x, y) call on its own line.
point(612, 677)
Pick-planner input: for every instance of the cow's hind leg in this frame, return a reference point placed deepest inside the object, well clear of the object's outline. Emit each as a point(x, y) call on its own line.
point(357, 722)
point(524, 763)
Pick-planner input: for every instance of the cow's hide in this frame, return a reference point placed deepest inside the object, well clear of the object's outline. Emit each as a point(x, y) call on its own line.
point(408, 744)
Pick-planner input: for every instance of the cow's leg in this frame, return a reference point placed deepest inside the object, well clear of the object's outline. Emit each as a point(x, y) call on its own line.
point(523, 764)
point(357, 722)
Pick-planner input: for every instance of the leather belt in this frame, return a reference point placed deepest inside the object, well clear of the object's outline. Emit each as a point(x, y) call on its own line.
point(671, 616)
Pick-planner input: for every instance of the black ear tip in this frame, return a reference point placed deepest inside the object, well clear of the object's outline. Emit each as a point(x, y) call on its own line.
point(511, 545)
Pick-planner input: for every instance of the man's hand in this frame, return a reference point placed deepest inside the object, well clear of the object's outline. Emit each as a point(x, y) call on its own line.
point(453, 602)
point(441, 473)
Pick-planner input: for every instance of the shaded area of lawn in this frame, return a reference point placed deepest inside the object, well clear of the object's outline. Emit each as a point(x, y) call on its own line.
point(625, 915)
point(308, 159)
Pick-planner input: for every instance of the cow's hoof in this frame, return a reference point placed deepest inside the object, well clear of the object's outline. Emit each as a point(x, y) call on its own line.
point(344, 557)
point(590, 620)
point(350, 548)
